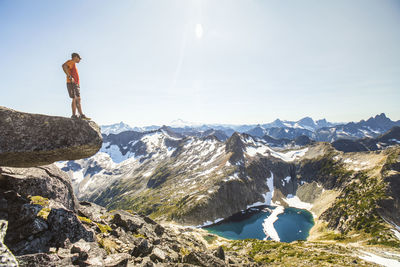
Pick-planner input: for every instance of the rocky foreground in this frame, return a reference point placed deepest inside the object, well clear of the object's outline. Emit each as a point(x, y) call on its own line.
point(43, 232)
point(59, 232)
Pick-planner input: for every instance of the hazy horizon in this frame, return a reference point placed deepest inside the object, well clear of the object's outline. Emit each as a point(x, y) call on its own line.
point(216, 62)
point(188, 123)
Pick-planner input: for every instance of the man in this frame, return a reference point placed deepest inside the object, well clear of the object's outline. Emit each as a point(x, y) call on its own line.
point(73, 87)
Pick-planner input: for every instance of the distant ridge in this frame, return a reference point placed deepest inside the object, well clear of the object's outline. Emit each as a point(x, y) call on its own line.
point(320, 130)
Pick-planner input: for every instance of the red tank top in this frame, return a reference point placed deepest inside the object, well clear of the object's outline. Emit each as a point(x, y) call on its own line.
point(73, 71)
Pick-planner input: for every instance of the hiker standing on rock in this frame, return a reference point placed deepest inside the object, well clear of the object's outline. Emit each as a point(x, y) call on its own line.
point(73, 86)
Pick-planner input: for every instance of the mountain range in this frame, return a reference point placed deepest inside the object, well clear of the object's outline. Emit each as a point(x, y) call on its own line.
point(320, 130)
point(200, 176)
point(176, 177)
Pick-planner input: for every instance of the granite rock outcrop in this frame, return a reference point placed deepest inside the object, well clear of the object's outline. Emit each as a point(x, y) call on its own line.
point(29, 140)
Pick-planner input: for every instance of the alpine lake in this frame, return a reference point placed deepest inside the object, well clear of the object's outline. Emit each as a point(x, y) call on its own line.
point(292, 224)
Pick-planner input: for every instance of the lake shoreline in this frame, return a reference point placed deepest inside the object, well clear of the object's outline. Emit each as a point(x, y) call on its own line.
point(285, 224)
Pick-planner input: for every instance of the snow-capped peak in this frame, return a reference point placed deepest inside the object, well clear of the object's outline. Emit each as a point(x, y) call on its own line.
point(115, 128)
point(182, 123)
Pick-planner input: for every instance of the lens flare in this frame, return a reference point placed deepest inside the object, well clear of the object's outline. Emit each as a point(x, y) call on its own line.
point(199, 31)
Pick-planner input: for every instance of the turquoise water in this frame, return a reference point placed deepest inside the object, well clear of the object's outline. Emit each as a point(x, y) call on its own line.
point(293, 224)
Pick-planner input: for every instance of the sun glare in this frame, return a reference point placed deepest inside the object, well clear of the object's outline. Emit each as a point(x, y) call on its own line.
point(199, 31)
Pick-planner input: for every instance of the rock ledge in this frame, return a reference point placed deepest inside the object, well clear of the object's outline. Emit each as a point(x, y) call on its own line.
point(29, 140)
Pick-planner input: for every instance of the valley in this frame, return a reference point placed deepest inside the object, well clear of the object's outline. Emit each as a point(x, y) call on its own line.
point(199, 181)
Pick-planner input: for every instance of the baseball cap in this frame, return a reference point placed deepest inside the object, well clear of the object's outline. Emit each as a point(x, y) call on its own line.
point(75, 55)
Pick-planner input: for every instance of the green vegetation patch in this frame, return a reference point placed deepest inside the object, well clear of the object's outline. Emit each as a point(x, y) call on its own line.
point(109, 245)
point(331, 168)
point(42, 201)
point(159, 177)
point(104, 228)
point(356, 210)
point(44, 213)
point(183, 251)
point(295, 254)
point(331, 235)
point(85, 220)
point(140, 236)
point(210, 238)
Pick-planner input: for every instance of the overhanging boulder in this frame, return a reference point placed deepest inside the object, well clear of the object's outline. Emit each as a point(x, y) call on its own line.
point(29, 140)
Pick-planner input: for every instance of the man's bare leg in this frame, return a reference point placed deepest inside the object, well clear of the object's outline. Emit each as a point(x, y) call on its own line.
point(78, 105)
point(73, 106)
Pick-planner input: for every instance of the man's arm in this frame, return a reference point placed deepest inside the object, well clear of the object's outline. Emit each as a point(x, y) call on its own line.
point(66, 70)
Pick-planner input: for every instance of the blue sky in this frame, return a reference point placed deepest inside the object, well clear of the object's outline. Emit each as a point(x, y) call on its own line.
point(150, 62)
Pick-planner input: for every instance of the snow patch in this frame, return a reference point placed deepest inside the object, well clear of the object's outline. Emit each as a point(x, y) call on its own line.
point(207, 171)
point(207, 223)
point(200, 197)
point(374, 131)
point(347, 161)
point(147, 174)
point(133, 142)
point(267, 196)
point(114, 152)
point(396, 233)
point(235, 176)
point(294, 201)
point(391, 254)
point(252, 151)
point(368, 256)
point(169, 136)
point(78, 176)
point(216, 154)
point(268, 224)
point(290, 155)
point(61, 164)
point(170, 150)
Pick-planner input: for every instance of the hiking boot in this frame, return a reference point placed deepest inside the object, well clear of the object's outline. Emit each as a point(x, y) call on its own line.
point(83, 117)
point(74, 117)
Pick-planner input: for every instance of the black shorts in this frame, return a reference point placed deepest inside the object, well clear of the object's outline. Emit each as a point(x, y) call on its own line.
point(73, 90)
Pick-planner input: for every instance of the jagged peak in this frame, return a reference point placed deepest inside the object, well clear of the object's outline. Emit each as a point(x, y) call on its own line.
point(307, 121)
point(165, 127)
point(382, 115)
point(121, 123)
point(169, 132)
point(235, 142)
point(210, 137)
point(235, 146)
point(379, 118)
